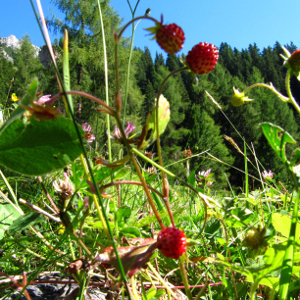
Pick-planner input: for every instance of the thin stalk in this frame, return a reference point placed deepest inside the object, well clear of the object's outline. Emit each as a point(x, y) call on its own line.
point(8, 97)
point(164, 187)
point(270, 87)
point(119, 123)
point(129, 59)
point(205, 199)
point(246, 173)
point(238, 133)
point(106, 84)
point(132, 21)
point(10, 190)
point(184, 278)
point(86, 95)
point(48, 195)
point(123, 276)
point(86, 171)
point(131, 182)
point(288, 89)
point(162, 281)
point(71, 247)
point(140, 175)
point(157, 116)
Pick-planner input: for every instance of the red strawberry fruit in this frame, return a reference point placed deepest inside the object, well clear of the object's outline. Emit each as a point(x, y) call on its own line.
point(294, 60)
point(169, 37)
point(202, 58)
point(171, 242)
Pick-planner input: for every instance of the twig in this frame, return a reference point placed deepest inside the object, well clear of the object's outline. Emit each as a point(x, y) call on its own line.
point(39, 210)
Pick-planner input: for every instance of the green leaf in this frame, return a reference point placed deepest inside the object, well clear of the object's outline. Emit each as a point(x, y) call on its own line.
point(130, 232)
point(282, 224)
point(244, 214)
point(7, 216)
point(121, 173)
point(192, 178)
point(149, 129)
point(23, 222)
point(123, 213)
point(277, 138)
point(160, 293)
point(212, 228)
point(39, 147)
point(151, 293)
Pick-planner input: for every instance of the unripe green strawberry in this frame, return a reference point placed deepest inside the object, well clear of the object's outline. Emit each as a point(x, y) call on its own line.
point(238, 98)
point(255, 238)
point(171, 242)
point(169, 37)
point(202, 58)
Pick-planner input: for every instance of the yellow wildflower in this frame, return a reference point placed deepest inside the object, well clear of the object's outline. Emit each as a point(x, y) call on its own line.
point(14, 97)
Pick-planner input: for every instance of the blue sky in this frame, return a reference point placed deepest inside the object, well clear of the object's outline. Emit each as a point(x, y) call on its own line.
point(237, 22)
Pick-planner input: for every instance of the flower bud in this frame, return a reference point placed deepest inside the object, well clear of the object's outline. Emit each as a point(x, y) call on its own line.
point(238, 99)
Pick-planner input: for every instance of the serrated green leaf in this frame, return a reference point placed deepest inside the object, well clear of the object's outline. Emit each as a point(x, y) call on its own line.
point(39, 147)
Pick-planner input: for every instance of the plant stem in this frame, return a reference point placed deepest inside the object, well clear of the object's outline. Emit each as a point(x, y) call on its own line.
point(289, 92)
point(129, 59)
point(184, 278)
point(164, 188)
point(106, 84)
point(130, 153)
point(132, 21)
point(86, 171)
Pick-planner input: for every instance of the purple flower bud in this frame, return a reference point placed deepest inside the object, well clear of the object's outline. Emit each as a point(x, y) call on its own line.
point(86, 127)
point(117, 133)
point(43, 100)
point(267, 175)
point(89, 137)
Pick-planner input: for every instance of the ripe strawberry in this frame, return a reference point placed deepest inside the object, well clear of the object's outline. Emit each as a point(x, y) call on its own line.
point(171, 242)
point(169, 37)
point(202, 58)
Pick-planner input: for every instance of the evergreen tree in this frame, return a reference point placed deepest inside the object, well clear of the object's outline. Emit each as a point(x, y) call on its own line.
point(149, 101)
point(28, 65)
point(172, 62)
point(205, 135)
point(159, 61)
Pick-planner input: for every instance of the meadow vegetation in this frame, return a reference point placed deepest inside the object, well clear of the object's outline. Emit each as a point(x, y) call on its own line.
point(153, 179)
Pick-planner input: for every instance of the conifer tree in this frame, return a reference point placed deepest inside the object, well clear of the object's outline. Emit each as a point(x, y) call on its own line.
point(27, 63)
point(205, 135)
point(159, 61)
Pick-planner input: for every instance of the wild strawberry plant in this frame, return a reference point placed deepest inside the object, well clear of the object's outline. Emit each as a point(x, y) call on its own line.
point(221, 245)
